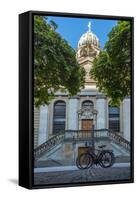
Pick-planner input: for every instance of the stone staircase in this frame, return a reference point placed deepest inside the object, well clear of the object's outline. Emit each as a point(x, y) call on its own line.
point(48, 146)
point(61, 150)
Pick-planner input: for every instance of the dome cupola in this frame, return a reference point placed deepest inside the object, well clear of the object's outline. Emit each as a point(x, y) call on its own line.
point(87, 50)
point(88, 38)
point(88, 46)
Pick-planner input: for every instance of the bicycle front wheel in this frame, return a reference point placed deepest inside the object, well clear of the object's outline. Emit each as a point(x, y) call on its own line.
point(85, 161)
point(107, 159)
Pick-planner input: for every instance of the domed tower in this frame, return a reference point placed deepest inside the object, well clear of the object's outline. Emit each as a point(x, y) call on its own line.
point(87, 50)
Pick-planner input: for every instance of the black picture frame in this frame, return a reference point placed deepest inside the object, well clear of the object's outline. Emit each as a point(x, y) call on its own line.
point(26, 92)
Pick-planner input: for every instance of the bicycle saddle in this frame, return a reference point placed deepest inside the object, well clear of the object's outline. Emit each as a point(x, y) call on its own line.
point(101, 146)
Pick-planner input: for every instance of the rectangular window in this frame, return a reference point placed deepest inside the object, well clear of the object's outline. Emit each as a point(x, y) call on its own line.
point(58, 126)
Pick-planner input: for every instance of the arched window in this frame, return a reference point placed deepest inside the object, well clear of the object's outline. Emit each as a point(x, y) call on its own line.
point(87, 104)
point(59, 117)
point(114, 118)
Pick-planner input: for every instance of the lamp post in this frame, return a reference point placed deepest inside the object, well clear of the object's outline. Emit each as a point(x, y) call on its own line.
point(94, 112)
point(74, 148)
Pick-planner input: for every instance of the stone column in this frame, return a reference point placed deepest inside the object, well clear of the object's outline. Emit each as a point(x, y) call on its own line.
point(101, 107)
point(43, 124)
point(72, 114)
point(126, 118)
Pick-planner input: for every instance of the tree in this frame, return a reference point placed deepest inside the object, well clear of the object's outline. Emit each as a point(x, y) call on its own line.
point(55, 66)
point(112, 68)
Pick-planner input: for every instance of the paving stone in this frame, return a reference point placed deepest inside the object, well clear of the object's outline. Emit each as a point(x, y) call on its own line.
point(77, 176)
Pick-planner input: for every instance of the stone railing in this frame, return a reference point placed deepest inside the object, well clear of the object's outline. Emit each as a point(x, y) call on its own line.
point(101, 133)
point(48, 145)
point(98, 133)
point(80, 135)
point(116, 137)
point(85, 134)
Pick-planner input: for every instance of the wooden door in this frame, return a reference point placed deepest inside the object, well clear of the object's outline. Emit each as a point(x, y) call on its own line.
point(87, 124)
point(86, 134)
point(86, 128)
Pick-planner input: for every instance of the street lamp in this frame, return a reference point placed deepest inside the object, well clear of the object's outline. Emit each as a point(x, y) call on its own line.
point(74, 148)
point(94, 112)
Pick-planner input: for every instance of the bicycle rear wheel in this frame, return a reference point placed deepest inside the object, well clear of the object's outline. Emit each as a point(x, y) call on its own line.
point(85, 161)
point(107, 159)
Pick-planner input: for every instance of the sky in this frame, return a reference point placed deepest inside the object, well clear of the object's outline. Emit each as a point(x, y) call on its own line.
point(72, 29)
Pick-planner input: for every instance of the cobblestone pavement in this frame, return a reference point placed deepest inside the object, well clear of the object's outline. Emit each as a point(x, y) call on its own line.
point(88, 175)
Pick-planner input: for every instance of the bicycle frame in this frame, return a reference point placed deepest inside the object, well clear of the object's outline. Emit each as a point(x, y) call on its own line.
point(97, 157)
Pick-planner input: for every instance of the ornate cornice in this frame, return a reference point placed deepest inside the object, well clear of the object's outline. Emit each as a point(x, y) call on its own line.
point(101, 97)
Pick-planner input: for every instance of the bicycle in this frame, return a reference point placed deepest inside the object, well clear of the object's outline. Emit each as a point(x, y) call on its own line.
point(105, 158)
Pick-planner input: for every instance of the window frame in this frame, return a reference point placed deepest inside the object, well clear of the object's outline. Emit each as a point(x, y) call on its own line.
point(59, 119)
point(114, 118)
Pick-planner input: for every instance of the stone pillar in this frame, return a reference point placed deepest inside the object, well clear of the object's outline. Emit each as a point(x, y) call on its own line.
point(126, 118)
point(101, 107)
point(43, 124)
point(72, 114)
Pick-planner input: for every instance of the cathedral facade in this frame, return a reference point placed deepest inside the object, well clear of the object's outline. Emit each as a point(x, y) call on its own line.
point(89, 108)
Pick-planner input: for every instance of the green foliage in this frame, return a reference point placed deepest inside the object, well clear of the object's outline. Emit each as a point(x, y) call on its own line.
point(55, 66)
point(112, 68)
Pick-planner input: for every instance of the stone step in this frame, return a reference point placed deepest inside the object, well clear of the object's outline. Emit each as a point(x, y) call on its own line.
point(119, 150)
point(50, 152)
point(122, 159)
point(56, 163)
point(47, 163)
point(58, 154)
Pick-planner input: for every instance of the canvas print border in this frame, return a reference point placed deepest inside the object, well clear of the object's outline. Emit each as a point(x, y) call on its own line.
point(30, 144)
